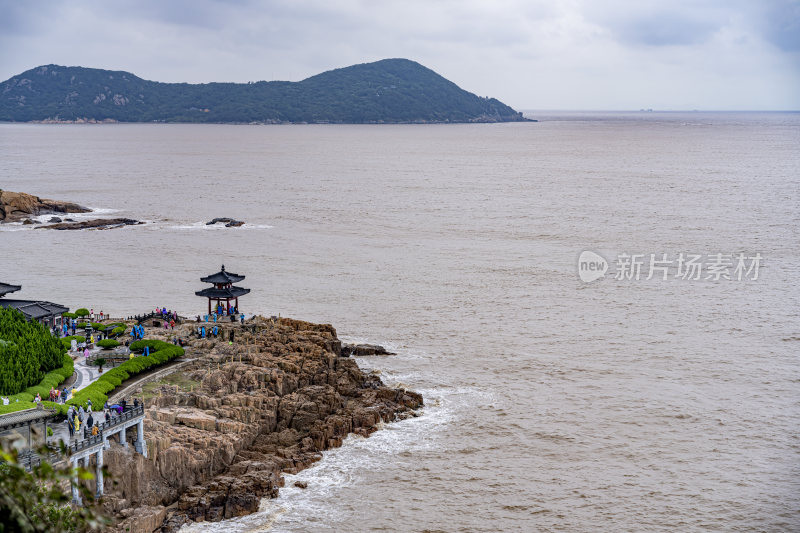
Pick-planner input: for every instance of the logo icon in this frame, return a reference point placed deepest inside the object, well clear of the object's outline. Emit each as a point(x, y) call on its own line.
point(591, 266)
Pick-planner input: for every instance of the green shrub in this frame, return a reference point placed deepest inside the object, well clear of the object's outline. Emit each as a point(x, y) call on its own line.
point(28, 353)
point(119, 330)
point(82, 312)
point(81, 325)
point(108, 343)
point(69, 315)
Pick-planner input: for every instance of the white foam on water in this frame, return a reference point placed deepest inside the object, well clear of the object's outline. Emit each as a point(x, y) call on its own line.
point(217, 227)
point(297, 509)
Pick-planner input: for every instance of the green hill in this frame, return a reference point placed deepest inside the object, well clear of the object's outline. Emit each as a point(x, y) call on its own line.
point(391, 90)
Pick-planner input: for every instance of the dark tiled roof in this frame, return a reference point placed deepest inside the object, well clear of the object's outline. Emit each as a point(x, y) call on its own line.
point(222, 277)
point(34, 310)
point(5, 288)
point(213, 292)
point(21, 418)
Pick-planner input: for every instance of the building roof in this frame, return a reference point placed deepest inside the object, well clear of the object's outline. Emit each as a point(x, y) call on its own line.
point(231, 292)
point(222, 277)
point(22, 418)
point(5, 288)
point(34, 310)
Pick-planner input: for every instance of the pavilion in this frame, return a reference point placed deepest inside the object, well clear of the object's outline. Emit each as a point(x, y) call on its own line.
point(223, 289)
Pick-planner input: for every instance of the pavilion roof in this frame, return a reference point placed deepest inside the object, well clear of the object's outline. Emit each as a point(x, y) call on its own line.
point(34, 310)
point(222, 277)
point(5, 288)
point(231, 292)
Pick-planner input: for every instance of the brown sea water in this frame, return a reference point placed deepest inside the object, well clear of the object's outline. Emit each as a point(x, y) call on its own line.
point(551, 404)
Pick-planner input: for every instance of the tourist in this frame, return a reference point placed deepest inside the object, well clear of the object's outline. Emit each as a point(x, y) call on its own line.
point(108, 417)
point(90, 420)
point(95, 431)
point(81, 413)
point(136, 402)
point(38, 398)
point(123, 403)
point(70, 425)
point(89, 404)
point(172, 323)
point(5, 400)
point(91, 314)
point(241, 317)
point(76, 421)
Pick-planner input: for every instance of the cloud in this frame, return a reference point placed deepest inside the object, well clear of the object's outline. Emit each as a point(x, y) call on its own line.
point(530, 54)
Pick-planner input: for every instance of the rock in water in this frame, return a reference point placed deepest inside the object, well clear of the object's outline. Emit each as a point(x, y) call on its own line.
point(229, 222)
point(364, 349)
point(54, 220)
point(95, 223)
point(16, 206)
point(301, 484)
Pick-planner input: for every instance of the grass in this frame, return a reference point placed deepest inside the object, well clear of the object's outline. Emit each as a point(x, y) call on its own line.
point(179, 379)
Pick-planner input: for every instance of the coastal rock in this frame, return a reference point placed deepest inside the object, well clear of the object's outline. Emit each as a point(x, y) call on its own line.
point(364, 349)
point(54, 220)
point(268, 403)
point(301, 484)
point(229, 222)
point(16, 206)
point(95, 223)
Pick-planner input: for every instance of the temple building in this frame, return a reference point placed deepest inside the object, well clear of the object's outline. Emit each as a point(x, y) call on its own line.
point(47, 313)
point(223, 290)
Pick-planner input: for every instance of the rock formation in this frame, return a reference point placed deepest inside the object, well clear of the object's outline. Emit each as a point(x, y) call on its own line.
point(266, 403)
point(364, 349)
point(95, 223)
point(16, 206)
point(229, 222)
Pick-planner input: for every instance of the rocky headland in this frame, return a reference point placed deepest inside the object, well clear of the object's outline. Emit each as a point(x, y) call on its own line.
point(18, 206)
point(262, 398)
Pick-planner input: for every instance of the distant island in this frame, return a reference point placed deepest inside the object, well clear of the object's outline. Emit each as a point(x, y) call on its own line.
point(387, 91)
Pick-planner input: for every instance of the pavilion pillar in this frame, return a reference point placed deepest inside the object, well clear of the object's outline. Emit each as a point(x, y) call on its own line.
point(237, 304)
point(209, 306)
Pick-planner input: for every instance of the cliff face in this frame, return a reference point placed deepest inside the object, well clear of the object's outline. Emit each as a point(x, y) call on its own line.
point(15, 206)
point(247, 411)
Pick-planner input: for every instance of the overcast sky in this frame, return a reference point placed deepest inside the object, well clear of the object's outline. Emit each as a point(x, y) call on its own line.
point(536, 54)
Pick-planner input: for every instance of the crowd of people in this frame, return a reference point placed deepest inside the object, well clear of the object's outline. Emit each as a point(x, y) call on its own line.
point(80, 418)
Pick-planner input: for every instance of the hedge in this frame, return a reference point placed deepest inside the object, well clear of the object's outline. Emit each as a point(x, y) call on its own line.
point(51, 379)
point(162, 352)
point(107, 343)
point(82, 312)
point(69, 315)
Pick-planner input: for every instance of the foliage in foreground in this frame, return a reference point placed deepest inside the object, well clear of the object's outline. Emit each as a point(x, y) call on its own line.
point(39, 501)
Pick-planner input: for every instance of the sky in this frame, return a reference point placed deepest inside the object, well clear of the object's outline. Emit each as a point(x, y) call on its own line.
point(532, 55)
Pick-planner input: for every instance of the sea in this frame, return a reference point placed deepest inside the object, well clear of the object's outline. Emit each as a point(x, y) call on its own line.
point(601, 310)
